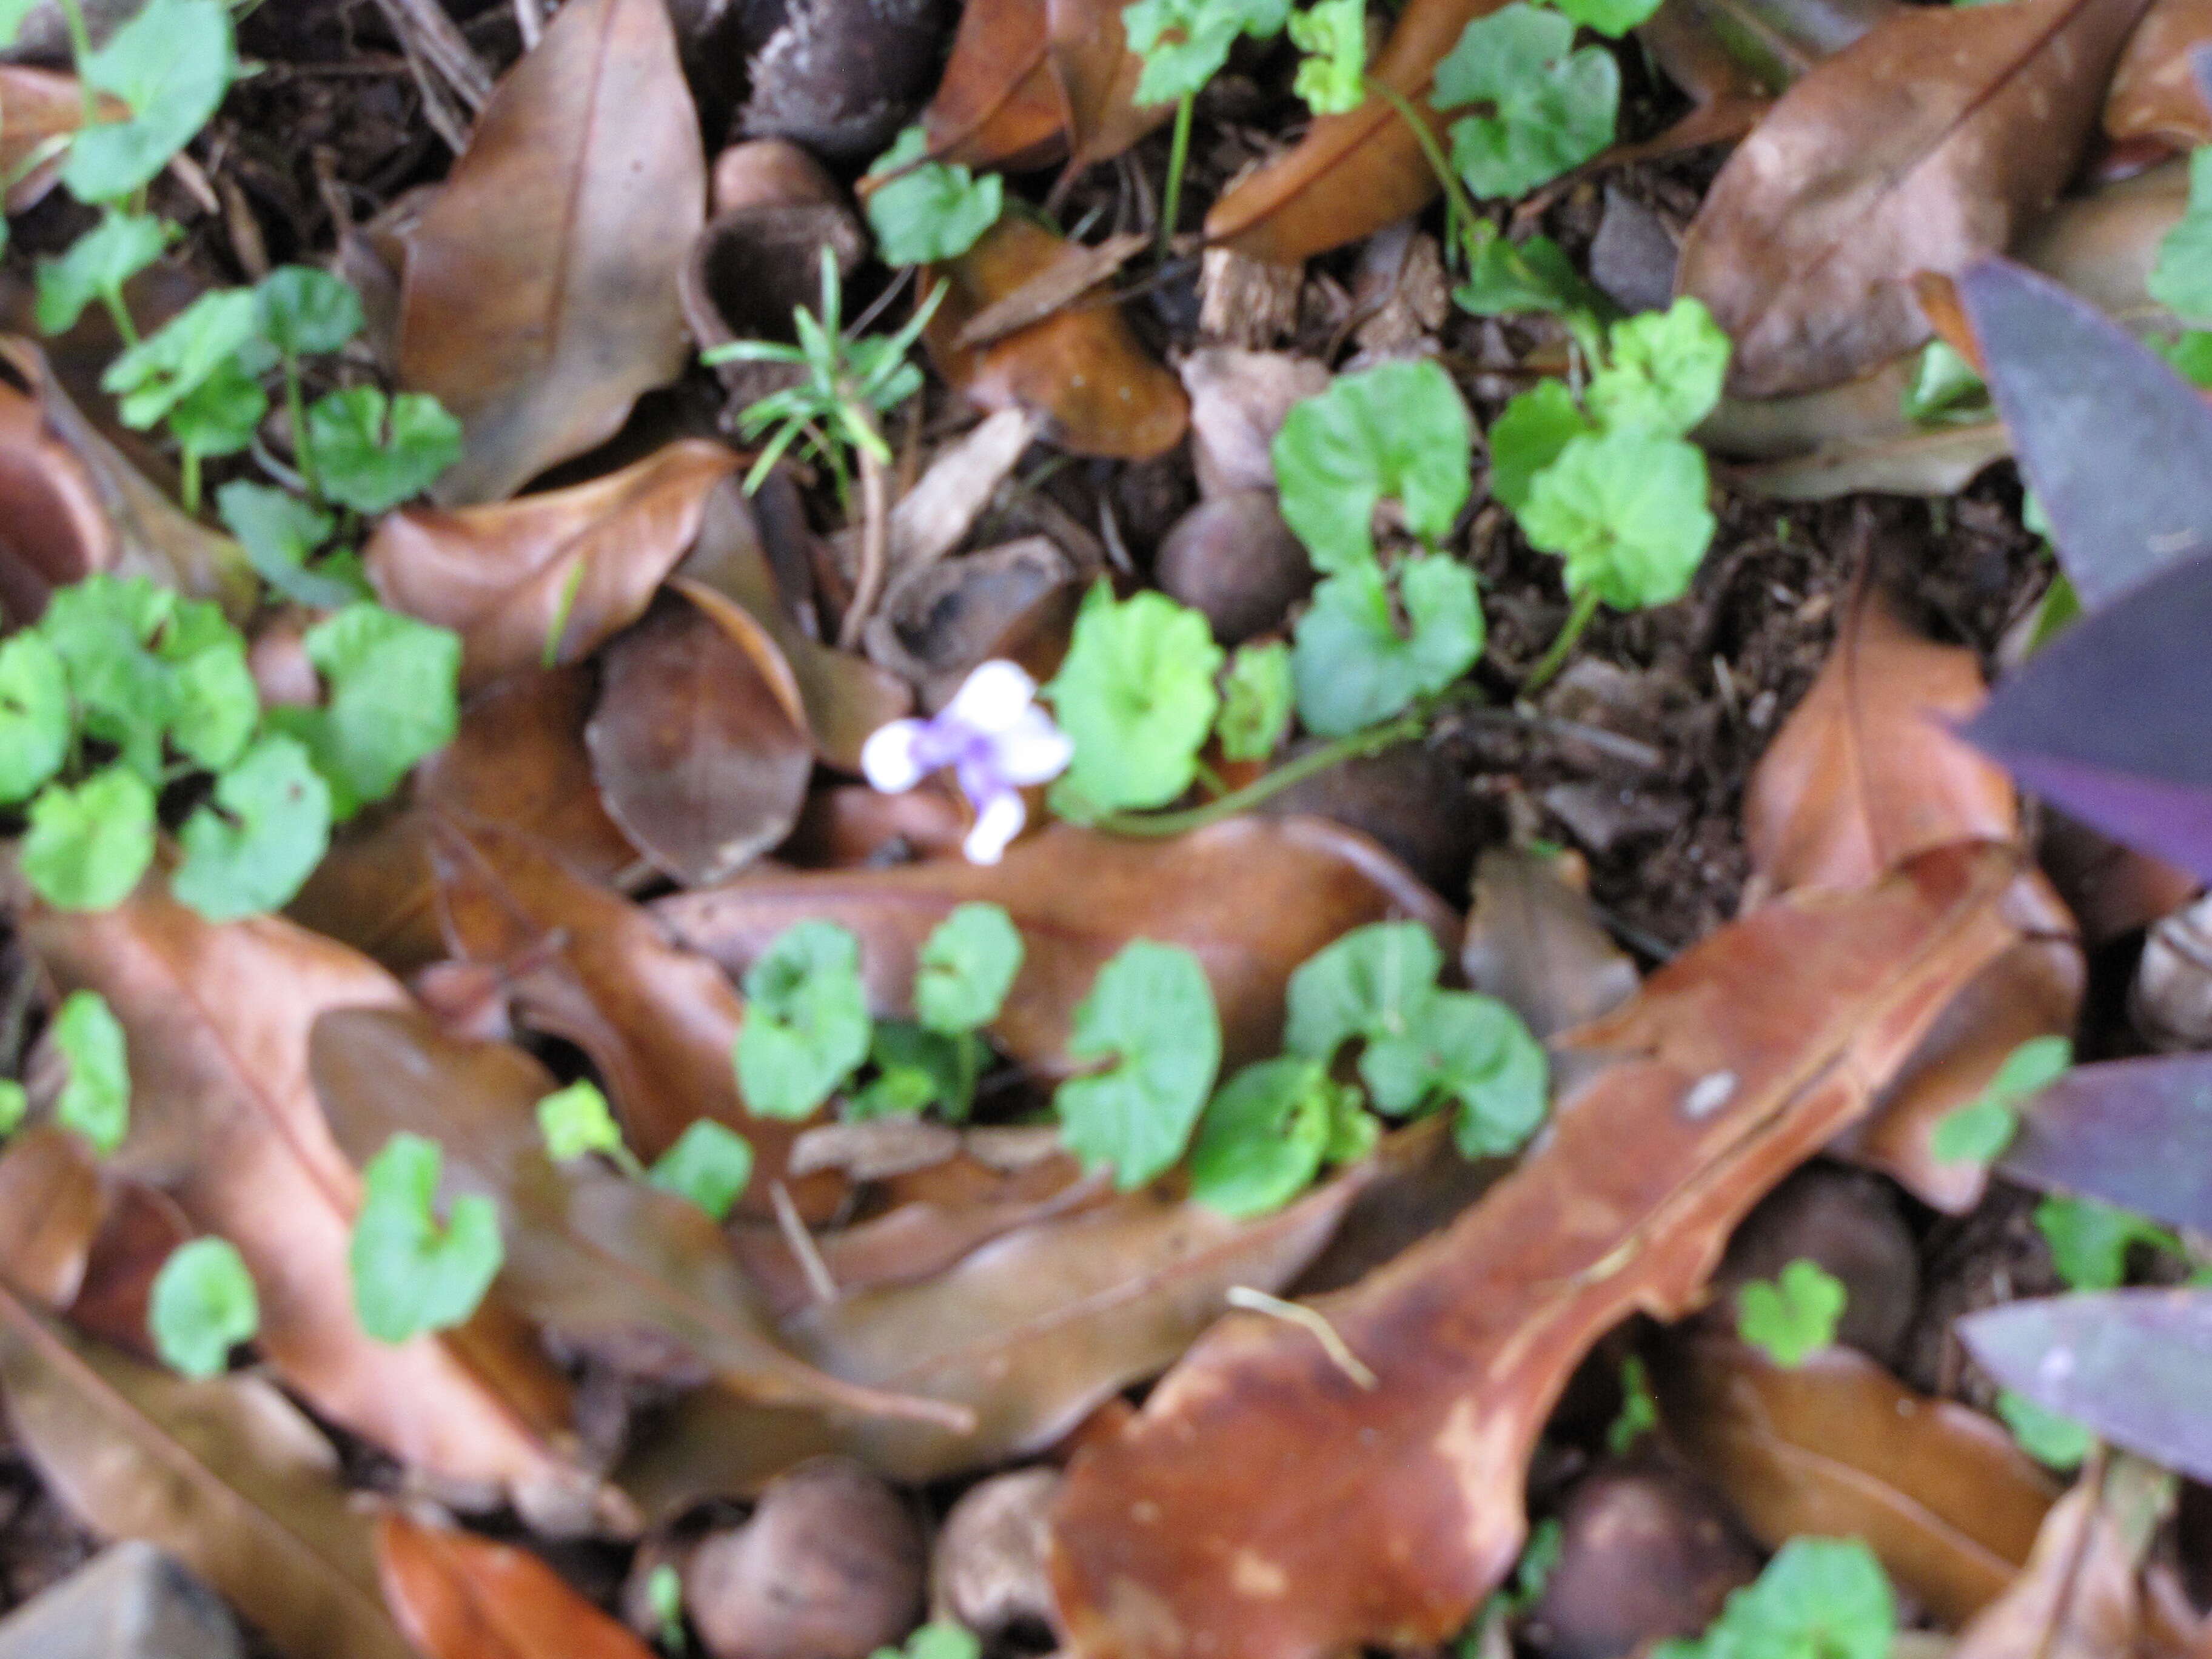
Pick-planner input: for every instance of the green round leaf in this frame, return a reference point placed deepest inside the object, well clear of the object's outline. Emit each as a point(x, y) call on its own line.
point(34, 715)
point(391, 702)
point(1263, 1136)
point(96, 266)
point(1552, 108)
point(203, 1305)
point(1184, 43)
point(807, 1020)
point(1665, 373)
point(1397, 431)
point(411, 1275)
point(96, 1099)
point(170, 65)
point(87, 847)
point(304, 311)
point(932, 211)
point(710, 1164)
point(1795, 1317)
point(1351, 664)
point(372, 453)
point(1371, 983)
point(965, 968)
point(255, 845)
point(1528, 437)
point(1332, 33)
point(1256, 699)
point(577, 1120)
point(1136, 696)
point(1150, 1013)
point(1473, 1050)
point(1627, 512)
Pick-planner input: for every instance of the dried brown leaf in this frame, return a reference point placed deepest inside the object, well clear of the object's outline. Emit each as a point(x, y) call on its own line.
point(1083, 371)
point(590, 1252)
point(228, 1475)
point(1739, 1060)
point(999, 104)
point(2077, 1597)
point(216, 1017)
point(2154, 92)
point(462, 1597)
point(696, 755)
point(1837, 1446)
point(547, 579)
point(1926, 143)
point(51, 1203)
point(539, 298)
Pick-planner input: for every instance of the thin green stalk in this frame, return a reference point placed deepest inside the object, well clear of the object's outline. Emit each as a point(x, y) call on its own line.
point(1357, 746)
point(1555, 655)
point(189, 485)
point(296, 410)
point(1460, 203)
point(79, 49)
point(119, 314)
point(1178, 159)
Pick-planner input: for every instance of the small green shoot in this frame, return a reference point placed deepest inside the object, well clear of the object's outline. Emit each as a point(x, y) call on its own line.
point(664, 1595)
point(941, 1639)
point(1979, 1131)
point(576, 1121)
point(1150, 1026)
point(1257, 697)
point(1818, 1598)
point(14, 1106)
point(1184, 43)
point(965, 968)
point(1136, 696)
point(928, 211)
point(1794, 1316)
point(95, 1098)
point(806, 1023)
point(1332, 77)
point(202, 1306)
point(2089, 1240)
point(710, 1164)
point(2043, 1434)
point(411, 1274)
point(2181, 278)
point(1639, 1408)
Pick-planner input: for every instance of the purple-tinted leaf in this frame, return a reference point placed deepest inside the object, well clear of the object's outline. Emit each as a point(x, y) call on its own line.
point(2110, 720)
point(2117, 446)
point(2131, 1365)
point(2133, 1132)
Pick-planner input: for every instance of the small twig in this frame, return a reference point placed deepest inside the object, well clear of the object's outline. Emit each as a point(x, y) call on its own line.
point(1294, 1313)
point(875, 539)
point(424, 29)
point(815, 1270)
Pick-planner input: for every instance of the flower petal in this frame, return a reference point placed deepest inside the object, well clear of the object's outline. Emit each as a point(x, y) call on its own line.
point(887, 759)
point(992, 699)
point(1034, 750)
point(998, 822)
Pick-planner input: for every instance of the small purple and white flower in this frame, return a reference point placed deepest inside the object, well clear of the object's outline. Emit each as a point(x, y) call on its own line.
point(993, 737)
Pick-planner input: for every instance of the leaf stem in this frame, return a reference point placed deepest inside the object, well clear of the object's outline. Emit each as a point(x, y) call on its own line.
point(875, 540)
point(126, 328)
point(1356, 746)
point(1462, 204)
point(1555, 655)
point(1178, 159)
point(295, 411)
point(81, 49)
point(189, 479)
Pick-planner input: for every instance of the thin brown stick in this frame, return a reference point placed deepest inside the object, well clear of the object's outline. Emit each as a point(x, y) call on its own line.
point(875, 541)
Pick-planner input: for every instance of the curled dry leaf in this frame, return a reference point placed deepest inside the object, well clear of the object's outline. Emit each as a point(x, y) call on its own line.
point(539, 298)
point(1740, 1059)
point(1353, 174)
point(1083, 371)
point(517, 759)
point(84, 506)
point(51, 1203)
point(461, 1597)
point(590, 1252)
point(1016, 601)
point(585, 964)
point(1837, 1447)
point(1922, 146)
point(1089, 52)
point(842, 698)
point(547, 579)
point(1867, 771)
point(228, 1475)
point(696, 755)
point(217, 1017)
point(1251, 899)
point(2154, 96)
point(2077, 1597)
point(1535, 943)
point(999, 103)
